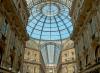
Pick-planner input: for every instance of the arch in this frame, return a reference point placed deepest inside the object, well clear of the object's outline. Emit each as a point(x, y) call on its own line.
point(97, 53)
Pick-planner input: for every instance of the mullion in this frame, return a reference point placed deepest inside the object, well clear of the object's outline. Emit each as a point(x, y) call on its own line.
point(58, 29)
point(36, 25)
point(65, 25)
point(42, 29)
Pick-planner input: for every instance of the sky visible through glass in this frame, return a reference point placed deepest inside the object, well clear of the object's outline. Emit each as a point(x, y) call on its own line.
point(49, 22)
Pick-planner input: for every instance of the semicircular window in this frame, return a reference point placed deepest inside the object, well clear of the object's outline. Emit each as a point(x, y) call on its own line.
point(49, 21)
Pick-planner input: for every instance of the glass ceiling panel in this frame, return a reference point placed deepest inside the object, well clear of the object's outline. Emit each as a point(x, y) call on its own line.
point(50, 49)
point(49, 20)
point(50, 53)
point(44, 54)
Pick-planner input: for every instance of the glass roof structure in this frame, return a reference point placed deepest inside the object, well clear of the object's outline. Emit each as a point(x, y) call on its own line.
point(49, 24)
point(49, 19)
point(50, 53)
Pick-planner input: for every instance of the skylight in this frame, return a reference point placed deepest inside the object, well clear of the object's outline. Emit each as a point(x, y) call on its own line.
point(49, 20)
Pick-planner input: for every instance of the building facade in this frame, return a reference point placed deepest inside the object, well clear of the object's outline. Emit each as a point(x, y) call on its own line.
point(51, 68)
point(13, 21)
point(33, 61)
point(86, 19)
point(67, 59)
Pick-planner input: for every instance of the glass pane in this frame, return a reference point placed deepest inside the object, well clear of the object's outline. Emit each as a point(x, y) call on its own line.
point(50, 21)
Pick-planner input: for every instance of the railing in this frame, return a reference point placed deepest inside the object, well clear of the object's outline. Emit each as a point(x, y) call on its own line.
point(31, 61)
point(91, 68)
point(4, 70)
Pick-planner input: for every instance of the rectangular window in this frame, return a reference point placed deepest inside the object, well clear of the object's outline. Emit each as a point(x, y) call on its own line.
point(34, 69)
point(72, 53)
point(66, 55)
point(4, 28)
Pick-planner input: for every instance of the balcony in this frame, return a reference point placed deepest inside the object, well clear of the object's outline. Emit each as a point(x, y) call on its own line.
point(5, 70)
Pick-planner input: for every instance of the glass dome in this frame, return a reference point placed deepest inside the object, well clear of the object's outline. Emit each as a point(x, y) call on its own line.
point(49, 21)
